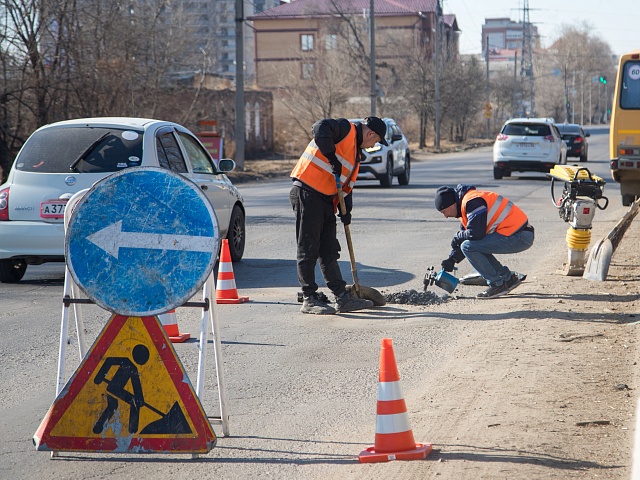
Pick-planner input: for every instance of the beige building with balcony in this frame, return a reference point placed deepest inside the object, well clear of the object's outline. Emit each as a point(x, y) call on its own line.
point(294, 41)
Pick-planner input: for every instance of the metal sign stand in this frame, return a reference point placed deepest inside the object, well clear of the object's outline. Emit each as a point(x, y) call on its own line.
point(208, 317)
point(71, 296)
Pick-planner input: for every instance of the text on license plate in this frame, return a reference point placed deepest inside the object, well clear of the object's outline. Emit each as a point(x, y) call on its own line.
point(524, 145)
point(53, 208)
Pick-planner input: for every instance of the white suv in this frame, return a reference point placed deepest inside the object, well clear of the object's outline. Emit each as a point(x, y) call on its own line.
point(382, 162)
point(63, 158)
point(528, 145)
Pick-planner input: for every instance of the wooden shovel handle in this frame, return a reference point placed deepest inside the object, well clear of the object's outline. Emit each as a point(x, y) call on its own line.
point(347, 233)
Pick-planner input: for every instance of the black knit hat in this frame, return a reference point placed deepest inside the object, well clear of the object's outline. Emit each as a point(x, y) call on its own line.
point(378, 126)
point(445, 197)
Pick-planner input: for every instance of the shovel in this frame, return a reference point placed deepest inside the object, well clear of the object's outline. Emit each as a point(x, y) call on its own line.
point(362, 291)
point(600, 256)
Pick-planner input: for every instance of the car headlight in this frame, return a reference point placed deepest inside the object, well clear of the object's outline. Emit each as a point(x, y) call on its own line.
point(373, 149)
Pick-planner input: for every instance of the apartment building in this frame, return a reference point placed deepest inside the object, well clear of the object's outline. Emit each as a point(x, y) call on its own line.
point(506, 39)
point(291, 39)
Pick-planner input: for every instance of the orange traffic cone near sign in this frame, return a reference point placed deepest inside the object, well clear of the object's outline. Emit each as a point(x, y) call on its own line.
point(394, 438)
point(169, 321)
point(226, 291)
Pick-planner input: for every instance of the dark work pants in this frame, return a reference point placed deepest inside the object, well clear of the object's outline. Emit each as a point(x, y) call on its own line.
point(316, 239)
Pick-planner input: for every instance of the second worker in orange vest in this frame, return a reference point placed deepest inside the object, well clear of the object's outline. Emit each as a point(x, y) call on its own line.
point(330, 161)
point(490, 224)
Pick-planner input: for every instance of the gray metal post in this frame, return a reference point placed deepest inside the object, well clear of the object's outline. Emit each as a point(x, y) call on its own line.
point(372, 60)
point(488, 91)
point(515, 83)
point(239, 85)
point(436, 142)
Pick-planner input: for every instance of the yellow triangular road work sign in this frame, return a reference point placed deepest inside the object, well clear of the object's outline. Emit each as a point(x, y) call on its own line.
point(129, 394)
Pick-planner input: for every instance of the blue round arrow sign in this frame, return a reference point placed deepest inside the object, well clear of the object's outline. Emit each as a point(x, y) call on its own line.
point(142, 241)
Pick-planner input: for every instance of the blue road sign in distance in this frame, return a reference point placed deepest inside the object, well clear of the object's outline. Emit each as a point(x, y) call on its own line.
point(142, 241)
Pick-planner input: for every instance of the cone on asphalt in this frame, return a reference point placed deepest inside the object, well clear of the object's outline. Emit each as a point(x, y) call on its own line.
point(394, 437)
point(226, 291)
point(169, 321)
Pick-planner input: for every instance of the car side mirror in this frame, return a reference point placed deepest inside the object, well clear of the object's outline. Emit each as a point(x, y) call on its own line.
point(226, 165)
point(587, 134)
point(395, 137)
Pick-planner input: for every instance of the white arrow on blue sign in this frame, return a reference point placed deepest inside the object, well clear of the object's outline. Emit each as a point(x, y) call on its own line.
point(142, 241)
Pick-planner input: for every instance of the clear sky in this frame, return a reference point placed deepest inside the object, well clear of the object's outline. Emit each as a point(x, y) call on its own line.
point(617, 22)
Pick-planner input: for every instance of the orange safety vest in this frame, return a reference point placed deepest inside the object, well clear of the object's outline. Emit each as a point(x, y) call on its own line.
point(314, 169)
point(503, 216)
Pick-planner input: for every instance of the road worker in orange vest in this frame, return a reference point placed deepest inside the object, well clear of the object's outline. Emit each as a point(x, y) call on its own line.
point(490, 225)
point(330, 161)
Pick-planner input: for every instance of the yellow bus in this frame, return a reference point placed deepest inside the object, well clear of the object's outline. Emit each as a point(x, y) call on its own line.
point(624, 129)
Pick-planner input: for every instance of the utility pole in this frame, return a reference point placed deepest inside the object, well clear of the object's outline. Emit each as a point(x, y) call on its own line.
point(573, 98)
point(527, 56)
point(488, 88)
point(566, 97)
point(372, 60)
point(582, 98)
point(239, 85)
point(437, 52)
point(515, 83)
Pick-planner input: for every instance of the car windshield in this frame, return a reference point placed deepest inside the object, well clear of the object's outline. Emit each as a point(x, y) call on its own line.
point(527, 129)
point(88, 149)
point(571, 129)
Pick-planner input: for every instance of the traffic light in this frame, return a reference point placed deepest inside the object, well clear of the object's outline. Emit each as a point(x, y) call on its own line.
point(603, 80)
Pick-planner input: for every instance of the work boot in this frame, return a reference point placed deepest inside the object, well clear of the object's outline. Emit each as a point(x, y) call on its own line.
point(313, 304)
point(348, 302)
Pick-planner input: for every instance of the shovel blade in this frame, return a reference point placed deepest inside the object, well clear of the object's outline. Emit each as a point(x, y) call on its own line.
point(369, 293)
point(599, 260)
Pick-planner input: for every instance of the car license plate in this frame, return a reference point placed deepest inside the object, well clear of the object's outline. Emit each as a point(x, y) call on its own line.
point(53, 208)
point(524, 145)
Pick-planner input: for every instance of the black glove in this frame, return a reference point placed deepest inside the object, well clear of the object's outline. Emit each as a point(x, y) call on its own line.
point(448, 265)
point(457, 241)
point(336, 166)
point(348, 203)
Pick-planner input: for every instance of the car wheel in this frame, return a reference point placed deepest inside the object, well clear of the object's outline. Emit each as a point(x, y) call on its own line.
point(497, 173)
point(387, 179)
point(583, 158)
point(403, 178)
point(236, 234)
point(12, 271)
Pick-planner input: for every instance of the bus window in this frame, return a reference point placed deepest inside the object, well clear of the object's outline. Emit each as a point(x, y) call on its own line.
point(630, 91)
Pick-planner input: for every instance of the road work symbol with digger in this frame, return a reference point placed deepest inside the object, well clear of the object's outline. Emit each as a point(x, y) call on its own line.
point(172, 422)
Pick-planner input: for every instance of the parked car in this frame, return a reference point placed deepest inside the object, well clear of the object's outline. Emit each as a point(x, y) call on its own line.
point(527, 145)
point(62, 158)
point(382, 162)
point(576, 139)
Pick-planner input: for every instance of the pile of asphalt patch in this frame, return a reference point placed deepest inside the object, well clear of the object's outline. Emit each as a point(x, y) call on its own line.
point(413, 297)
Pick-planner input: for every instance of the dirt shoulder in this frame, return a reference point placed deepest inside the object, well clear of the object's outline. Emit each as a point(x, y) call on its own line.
point(553, 394)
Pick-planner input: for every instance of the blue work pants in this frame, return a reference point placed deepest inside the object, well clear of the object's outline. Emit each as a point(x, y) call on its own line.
point(480, 254)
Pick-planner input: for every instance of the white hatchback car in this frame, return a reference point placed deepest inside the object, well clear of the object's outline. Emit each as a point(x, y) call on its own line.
point(62, 158)
point(528, 145)
point(382, 162)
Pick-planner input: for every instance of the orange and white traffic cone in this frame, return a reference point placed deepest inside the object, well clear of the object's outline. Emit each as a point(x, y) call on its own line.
point(169, 321)
point(226, 291)
point(394, 438)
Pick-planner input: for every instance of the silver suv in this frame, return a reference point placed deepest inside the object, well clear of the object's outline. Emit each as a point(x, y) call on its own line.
point(382, 162)
point(528, 145)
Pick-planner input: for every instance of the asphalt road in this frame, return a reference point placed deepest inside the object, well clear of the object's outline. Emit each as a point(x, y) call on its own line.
point(301, 389)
